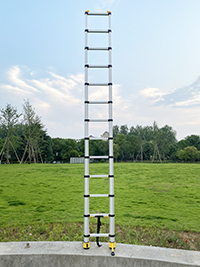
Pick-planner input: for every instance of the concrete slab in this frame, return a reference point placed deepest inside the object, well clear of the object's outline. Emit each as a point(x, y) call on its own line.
point(64, 254)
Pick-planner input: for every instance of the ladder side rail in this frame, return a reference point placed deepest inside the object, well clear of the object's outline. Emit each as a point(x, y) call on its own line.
point(111, 159)
point(110, 41)
point(86, 160)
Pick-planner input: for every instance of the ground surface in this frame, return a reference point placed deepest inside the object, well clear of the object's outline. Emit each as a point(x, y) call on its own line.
point(155, 204)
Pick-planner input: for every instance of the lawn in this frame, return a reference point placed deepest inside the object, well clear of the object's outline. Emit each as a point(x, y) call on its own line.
point(151, 200)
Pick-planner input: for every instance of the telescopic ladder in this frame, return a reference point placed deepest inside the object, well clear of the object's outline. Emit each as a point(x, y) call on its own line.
point(87, 121)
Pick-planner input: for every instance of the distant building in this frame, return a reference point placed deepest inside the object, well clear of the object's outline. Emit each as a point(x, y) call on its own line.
point(77, 160)
point(105, 134)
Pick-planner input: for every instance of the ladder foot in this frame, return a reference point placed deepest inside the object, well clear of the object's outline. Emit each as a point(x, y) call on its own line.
point(112, 253)
point(86, 245)
point(112, 246)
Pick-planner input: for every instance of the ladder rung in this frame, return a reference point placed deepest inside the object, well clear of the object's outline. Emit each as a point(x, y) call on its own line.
point(99, 157)
point(97, 66)
point(98, 84)
point(98, 48)
point(99, 235)
point(98, 120)
point(98, 14)
point(98, 31)
point(99, 176)
point(99, 215)
point(99, 195)
point(99, 102)
point(99, 138)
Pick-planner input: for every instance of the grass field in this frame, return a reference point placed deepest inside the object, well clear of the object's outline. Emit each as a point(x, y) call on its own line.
point(155, 204)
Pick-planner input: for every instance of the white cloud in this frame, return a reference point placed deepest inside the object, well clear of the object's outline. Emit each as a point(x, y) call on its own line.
point(78, 78)
point(13, 75)
point(154, 94)
point(193, 101)
point(102, 5)
point(59, 100)
point(42, 106)
point(52, 97)
point(15, 90)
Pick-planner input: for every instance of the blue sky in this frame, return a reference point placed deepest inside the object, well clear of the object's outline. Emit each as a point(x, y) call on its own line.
point(156, 62)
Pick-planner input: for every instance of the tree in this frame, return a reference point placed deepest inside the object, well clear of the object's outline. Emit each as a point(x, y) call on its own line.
point(131, 130)
point(181, 154)
point(124, 129)
point(1, 143)
point(81, 147)
point(115, 130)
point(188, 153)
point(148, 150)
point(68, 155)
point(193, 140)
point(99, 148)
point(116, 151)
point(183, 143)
point(46, 148)
point(69, 149)
point(69, 145)
point(157, 137)
point(198, 155)
point(9, 118)
point(140, 132)
point(33, 132)
point(120, 140)
point(133, 144)
point(167, 140)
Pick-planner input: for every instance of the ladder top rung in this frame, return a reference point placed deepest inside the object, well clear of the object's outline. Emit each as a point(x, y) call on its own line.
point(87, 12)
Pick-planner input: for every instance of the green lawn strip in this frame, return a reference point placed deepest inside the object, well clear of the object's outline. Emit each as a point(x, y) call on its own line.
point(65, 231)
point(164, 197)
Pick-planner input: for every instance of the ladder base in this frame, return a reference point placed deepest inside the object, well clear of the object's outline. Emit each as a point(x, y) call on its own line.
point(112, 247)
point(86, 245)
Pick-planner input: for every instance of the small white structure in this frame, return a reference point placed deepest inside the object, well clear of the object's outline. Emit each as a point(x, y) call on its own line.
point(77, 160)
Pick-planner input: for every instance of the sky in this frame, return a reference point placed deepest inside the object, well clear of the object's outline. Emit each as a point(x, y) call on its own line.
point(155, 58)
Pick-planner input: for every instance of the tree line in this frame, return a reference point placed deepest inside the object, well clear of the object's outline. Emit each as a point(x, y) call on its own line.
point(23, 138)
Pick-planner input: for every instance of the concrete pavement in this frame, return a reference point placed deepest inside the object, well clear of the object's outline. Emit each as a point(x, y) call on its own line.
point(64, 254)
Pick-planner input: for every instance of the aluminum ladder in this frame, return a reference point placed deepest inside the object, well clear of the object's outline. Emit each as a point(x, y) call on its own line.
point(87, 121)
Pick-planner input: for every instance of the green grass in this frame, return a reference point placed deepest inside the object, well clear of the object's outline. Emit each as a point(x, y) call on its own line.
point(155, 204)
